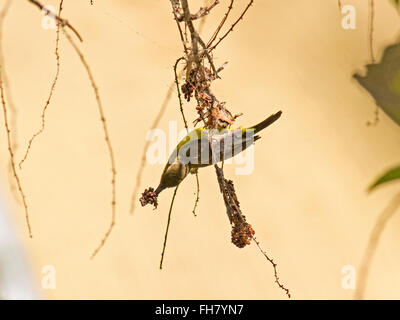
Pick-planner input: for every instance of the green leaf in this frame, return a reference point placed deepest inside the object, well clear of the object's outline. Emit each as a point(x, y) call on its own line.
point(392, 174)
point(382, 81)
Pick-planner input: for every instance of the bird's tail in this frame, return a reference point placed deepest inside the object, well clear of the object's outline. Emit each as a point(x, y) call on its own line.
point(270, 120)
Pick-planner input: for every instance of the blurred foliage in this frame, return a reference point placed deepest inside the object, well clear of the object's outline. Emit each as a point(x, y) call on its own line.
point(382, 81)
point(391, 175)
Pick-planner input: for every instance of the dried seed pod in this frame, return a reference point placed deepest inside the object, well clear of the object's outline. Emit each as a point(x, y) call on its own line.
point(242, 234)
point(149, 196)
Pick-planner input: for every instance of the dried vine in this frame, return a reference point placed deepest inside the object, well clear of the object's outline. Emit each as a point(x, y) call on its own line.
point(167, 229)
point(63, 22)
point(12, 107)
point(11, 153)
point(52, 88)
point(106, 138)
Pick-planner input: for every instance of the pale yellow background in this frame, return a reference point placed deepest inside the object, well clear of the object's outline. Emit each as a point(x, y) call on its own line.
point(306, 199)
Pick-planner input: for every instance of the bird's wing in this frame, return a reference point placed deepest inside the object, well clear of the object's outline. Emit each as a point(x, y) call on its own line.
point(201, 147)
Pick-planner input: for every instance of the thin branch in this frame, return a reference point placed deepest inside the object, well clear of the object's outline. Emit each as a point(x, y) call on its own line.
point(371, 30)
point(214, 36)
point(372, 246)
point(106, 138)
point(179, 92)
point(274, 265)
point(371, 53)
point(233, 26)
point(209, 58)
point(167, 229)
point(186, 127)
point(53, 85)
point(11, 152)
point(200, 14)
point(11, 104)
point(195, 40)
point(202, 22)
point(174, 11)
point(64, 22)
point(197, 194)
point(193, 33)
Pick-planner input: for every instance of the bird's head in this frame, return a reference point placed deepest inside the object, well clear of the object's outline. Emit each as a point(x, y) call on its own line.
point(173, 174)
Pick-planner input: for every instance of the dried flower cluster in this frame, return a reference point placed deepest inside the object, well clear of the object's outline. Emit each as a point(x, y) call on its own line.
point(211, 111)
point(242, 232)
point(149, 196)
point(200, 68)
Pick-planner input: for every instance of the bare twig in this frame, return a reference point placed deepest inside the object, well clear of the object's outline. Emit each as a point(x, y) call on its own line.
point(372, 246)
point(371, 30)
point(197, 194)
point(179, 93)
point(214, 36)
point(274, 265)
point(371, 53)
point(175, 11)
point(63, 22)
point(106, 138)
point(233, 26)
point(193, 33)
point(186, 127)
point(11, 153)
point(195, 41)
point(53, 85)
point(11, 104)
point(200, 14)
point(202, 21)
point(198, 80)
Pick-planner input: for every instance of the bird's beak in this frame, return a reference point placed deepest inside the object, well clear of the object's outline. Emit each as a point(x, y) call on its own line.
point(159, 189)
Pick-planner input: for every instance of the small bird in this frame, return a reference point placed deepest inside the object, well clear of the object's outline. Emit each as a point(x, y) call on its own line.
point(202, 147)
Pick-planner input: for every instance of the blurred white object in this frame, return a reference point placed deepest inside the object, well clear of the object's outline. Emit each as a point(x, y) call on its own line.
point(15, 274)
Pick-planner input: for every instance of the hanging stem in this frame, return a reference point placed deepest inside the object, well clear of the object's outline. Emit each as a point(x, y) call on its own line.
point(373, 242)
point(197, 194)
point(167, 229)
point(8, 131)
point(52, 88)
point(106, 138)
